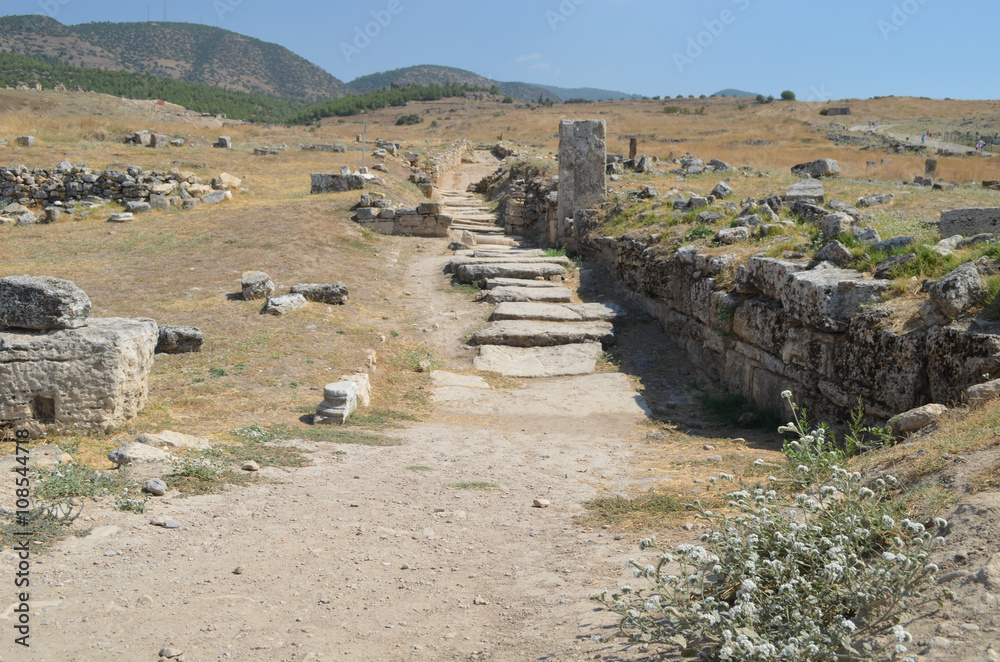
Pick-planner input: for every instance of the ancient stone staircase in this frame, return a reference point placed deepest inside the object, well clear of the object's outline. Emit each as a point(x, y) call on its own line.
point(539, 327)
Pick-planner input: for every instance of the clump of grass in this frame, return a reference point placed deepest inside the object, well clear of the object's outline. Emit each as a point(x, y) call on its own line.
point(47, 525)
point(379, 418)
point(700, 231)
point(617, 509)
point(417, 361)
point(419, 468)
point(991, 299)
point(76, 480)
point(475, 486)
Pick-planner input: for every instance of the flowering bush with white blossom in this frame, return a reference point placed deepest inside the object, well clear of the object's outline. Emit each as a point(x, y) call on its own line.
point(824, 578)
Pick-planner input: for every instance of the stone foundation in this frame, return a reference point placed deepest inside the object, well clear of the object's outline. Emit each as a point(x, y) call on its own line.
point(94, 377)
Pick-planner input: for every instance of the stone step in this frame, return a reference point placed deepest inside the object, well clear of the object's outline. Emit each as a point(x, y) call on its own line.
point(497, 240)
point(485, 229)
point(474, 273)
point(519, 252)
point(545, 334)
point(543, 312)
point(538, 362)
point(529, 295)
point(494, 283)
point(457, 262)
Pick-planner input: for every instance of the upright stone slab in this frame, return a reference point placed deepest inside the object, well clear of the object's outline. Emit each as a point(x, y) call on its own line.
point(582, 170)
point(930, 168)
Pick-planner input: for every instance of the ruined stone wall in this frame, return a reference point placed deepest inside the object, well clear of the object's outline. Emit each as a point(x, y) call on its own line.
point(27, 186)
point(448, 159)
point(772, 325)
point(528, 201)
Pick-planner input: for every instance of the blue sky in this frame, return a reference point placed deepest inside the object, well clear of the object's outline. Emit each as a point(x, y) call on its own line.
point(820, 50)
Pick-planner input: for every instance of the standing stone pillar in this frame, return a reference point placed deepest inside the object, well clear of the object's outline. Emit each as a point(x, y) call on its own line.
point(582, 170)
point(633, 148)
point(930, 167)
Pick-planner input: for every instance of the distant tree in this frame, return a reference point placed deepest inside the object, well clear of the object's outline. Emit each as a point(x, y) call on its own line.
point(788, 95)
point(656, 98)
point(702, 97)
point(508, 99)
point(679, 96)
point(495, 90)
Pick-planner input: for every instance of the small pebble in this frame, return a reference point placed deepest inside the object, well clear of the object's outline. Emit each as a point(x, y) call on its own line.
point(239, 570)
point(709, 447)
point(170, 653)
point(479, 601)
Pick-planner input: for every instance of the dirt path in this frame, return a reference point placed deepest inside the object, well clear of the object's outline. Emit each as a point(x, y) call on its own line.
point(374, 553)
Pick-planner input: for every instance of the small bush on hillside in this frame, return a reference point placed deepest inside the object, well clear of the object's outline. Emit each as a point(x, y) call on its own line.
point(788, 95)
point(409, 120)
point(826, 576)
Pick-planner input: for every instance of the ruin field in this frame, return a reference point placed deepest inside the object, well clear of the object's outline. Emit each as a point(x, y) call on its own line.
point(543, 394)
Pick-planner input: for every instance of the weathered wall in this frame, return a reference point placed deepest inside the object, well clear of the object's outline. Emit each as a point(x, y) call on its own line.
point(774, 325)
point(528, 200)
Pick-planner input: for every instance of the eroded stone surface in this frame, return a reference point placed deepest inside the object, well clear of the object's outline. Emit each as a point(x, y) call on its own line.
point(539, 362)
point(530, 294)
point(544, 334)
point(42, 303)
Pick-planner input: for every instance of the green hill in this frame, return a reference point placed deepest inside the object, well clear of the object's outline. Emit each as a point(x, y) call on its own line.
point(588, 93)
point(183, 51)
point(735, 93)
point(429, 74)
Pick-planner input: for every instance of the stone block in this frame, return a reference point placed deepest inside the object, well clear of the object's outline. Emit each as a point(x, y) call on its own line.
point(827, 299)
point(95, 376)
point(42, 303)
point(806, 190)
point(224, 142)
point(769, 275)
point(340, 400)
point(364, 383)
point(138, 207)
point(256, 285)
point(179, 340)
point(26, 141)
point(216, 197)
point(968, 222)
point(835, 224)
point(473, 273)
point(330, 293)
point(817, 169)
point(284, 304)
point(545, 334)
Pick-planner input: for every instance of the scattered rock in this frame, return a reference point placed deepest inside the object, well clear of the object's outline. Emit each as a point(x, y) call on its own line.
point(722, 191)
point(817, 169)
point(541, 503)
point(137, 207)
point(962, 288)
point(179, 340)
point(331, 293)
point(136, 453)
point(155, 486)
point(257, 285)
point(126, 217)
point(890, 245)
point(224, 142)
point(835, 224)
point(876, 200)
point(284, 304)
point(729, 236)
point(889, 267)
point(836, 253)
point(165, 523)
point(866, 235)
point(982, 393)
point(916, 419)
point(170, 653)
point(250, 466)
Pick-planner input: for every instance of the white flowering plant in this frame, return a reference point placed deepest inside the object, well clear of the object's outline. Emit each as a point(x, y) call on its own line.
point(826, 578)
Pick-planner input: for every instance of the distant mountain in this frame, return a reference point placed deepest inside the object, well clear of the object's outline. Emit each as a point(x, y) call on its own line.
point(183, 51)
point(429, 74)
point(736, 93)
point(588, 93)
